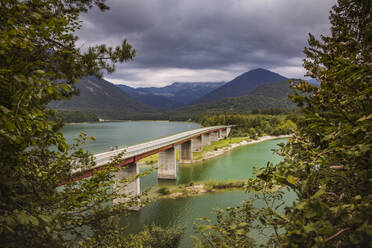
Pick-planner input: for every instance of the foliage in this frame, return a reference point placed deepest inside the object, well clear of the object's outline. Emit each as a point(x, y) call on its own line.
point(164, 191)
point(228, 184)
point(252, 125)
point(151, 237)
point(39, 63)
point(327, 164)
point(156, 237)
point(231, 230)
point(75, 116)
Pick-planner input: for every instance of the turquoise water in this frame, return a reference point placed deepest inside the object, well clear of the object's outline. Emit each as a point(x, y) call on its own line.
point(183, 212)
point(236, 164)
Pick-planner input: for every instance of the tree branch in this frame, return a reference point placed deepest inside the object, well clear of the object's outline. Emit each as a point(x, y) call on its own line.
point(336, 234)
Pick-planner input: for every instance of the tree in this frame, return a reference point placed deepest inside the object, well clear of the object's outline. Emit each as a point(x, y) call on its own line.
point(40, 63)
point(327, 163)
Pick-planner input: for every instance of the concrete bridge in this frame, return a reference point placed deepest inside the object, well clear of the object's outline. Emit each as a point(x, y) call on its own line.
point(188, 142)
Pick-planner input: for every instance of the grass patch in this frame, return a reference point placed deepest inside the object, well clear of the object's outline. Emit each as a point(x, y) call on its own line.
point(215, 145)
point(208, 186)
point(197, 155)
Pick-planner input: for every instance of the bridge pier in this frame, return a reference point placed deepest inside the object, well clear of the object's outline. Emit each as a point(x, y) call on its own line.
point(186, 152)
point(196, 144)
point(222, 133)
point(167, 165)
point(228, 129)
point(205, 139)
point(131, 189)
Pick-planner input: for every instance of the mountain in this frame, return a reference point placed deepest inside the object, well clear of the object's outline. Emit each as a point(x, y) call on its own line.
point(265, 96)
point(102, 98)
point(153, 100)
point(172, 96)
point(241, 85)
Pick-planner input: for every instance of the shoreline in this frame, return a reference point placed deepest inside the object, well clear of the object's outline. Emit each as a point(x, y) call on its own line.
point(208, 187)
point(104, 121)
point(225, 149)
point(200, 188)
point(221, 151)
point(195, 190)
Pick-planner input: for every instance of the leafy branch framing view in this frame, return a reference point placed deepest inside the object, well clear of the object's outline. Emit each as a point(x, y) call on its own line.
point(326, 163)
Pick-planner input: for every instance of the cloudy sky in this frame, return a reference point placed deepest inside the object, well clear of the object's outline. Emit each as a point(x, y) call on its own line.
point(205, 40)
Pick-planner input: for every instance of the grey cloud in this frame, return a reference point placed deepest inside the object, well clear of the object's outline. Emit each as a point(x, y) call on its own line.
point(209, 34)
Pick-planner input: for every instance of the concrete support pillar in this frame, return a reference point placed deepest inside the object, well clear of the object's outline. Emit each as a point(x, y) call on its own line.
point(223, 133)
point(196, 144)
point(214, 136)
point(186, 152)
point(228, 129)
point(205, 139)
point(132, 189)
point(167, 165)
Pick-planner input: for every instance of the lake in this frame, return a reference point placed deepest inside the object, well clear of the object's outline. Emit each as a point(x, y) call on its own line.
point(236, 164)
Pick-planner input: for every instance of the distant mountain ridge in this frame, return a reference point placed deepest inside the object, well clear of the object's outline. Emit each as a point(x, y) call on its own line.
point(172, 96)
point(180, 100)
point(241, 85)
point(265, 96)
point(102, 98)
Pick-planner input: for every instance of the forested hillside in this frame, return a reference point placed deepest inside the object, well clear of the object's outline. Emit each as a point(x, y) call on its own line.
point(265, 96)
point(241, 85)
point(254, 125)
point(102, 98)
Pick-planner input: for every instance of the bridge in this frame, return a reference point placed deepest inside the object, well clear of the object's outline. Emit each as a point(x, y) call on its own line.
point(188, 142)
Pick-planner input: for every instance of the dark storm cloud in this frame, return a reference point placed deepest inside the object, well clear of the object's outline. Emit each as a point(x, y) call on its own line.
point(207, 35)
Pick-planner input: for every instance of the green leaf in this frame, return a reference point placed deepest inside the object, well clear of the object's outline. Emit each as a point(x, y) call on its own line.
point(365, 118)
point(34, 220)
point(45, 218)
point(39, 72)
point(292, 180)
point(312, 227)
point(23, 218)
point(319, 193)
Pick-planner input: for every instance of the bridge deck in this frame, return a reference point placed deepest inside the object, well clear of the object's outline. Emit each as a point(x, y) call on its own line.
point(142, 150)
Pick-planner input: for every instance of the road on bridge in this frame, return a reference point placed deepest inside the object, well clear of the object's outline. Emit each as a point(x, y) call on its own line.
point(139, 151)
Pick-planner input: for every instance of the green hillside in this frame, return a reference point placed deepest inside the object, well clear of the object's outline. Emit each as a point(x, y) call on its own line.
point(265, 96)
point(241, 85)
point(102, 98)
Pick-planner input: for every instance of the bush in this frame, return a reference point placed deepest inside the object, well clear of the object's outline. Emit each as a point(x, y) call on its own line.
point(155, 236)
point(164, 191)
point(224, 184)
point(208, 187)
